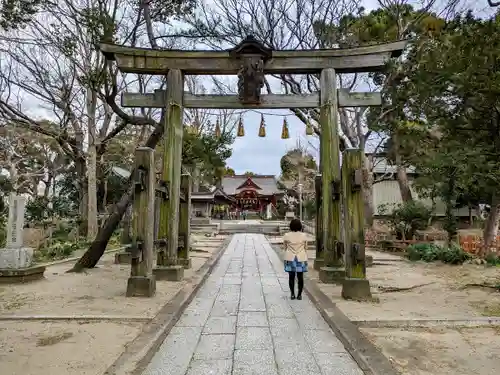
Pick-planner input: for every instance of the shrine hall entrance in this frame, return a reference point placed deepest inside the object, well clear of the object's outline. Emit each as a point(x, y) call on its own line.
point(250, 201)
point(256, 195)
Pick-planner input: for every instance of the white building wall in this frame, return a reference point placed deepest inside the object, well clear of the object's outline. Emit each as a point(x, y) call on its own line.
point(387, 192)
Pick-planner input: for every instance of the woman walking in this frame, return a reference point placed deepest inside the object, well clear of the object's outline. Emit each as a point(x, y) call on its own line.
point(295, 244)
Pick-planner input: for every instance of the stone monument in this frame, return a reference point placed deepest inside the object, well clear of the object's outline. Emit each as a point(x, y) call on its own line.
point(290, 203)
point(269, 213)
point(16, 260)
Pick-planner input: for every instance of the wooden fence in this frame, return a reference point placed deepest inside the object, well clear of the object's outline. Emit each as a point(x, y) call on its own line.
point(473, 243)
point(470, 243)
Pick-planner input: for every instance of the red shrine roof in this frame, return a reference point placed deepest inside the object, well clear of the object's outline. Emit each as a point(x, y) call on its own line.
point(263, 184)
point(249, 184)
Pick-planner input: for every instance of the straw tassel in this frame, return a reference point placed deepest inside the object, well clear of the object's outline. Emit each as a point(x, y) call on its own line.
point(309, 128)
point(241, 129)
point(284, 131)
point(217, 128)
point(262, 127)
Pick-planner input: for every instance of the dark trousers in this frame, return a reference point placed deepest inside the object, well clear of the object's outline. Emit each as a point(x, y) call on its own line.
point(291, 282)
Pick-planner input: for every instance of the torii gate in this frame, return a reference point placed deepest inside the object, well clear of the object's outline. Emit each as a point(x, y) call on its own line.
point(251, 60)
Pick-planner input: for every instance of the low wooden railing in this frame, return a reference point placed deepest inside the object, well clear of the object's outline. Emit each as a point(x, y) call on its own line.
point(470, 243)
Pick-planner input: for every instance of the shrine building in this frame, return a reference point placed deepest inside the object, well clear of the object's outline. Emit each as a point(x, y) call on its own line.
point(252, 193)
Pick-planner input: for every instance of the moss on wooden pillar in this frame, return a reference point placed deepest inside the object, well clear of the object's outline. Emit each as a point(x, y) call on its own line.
point(333, 271)
point(355, 286)
point(167, 263)
point(318, 228)
point(142, 281)
point(184, 222)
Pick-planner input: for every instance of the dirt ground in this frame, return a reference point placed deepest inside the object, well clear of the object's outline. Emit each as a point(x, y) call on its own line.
point(439, 351)
point(79, 347)
point(438, 291)
point(418, 290)
point(427, 291)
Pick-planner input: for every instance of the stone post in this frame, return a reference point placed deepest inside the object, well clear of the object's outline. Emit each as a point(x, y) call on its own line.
point(355, 285)
point(185, 223)
point(167, 263)
point(15, 223)
point(16, 260)
point(333, 271)
point(142, 282)
point(269, 213)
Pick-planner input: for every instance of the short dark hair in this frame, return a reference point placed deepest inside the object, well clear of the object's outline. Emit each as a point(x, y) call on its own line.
point(295, 225)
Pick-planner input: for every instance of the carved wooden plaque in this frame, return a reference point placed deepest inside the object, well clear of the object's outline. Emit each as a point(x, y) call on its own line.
point(253, 56)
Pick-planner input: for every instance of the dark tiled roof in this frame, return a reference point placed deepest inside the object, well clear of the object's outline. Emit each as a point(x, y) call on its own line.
point(216, 194)
point(267, 183)
point(202, 196)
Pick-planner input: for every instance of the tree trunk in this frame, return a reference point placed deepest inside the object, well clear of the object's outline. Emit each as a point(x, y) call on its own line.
point(491, 227)
point(401, 175)
point(98, 246)
point(368, 192)
point(126, 237)
point(450, 198)
point(13, 178)
point(92, 221)
point(196, 178)
point(471, 219)
point(48, 186)
point(105, 196)
point(81, 172)
point(404, 185)
point(433, 209)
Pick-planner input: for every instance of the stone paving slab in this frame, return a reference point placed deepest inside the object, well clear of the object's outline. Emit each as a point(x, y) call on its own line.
point(242, 322)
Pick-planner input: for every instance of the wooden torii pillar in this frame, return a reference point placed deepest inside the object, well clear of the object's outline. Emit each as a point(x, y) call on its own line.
point(250, 60)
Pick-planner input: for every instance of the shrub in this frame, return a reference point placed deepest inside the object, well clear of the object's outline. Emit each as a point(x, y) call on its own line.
point(429, 252)
point(61, 233)
point(454, 255)
point(406, 218)
point(492, 259)
point(59, 250)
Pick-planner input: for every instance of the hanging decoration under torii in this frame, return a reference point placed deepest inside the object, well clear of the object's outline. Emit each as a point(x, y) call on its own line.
point(309, 127)
point(241, 129)
point(262, 127)
point(284, 131)
point(217, 128)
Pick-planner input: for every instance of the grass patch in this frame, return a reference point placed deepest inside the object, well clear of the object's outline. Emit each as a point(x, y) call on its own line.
point(61, 248)
point(14, 303)
point(487, 308)
point(58, 251)
point(54, 339)
point(492, 259)
point(492, 310)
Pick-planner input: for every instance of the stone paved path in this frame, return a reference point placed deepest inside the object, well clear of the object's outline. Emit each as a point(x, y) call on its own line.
point(242, 322)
